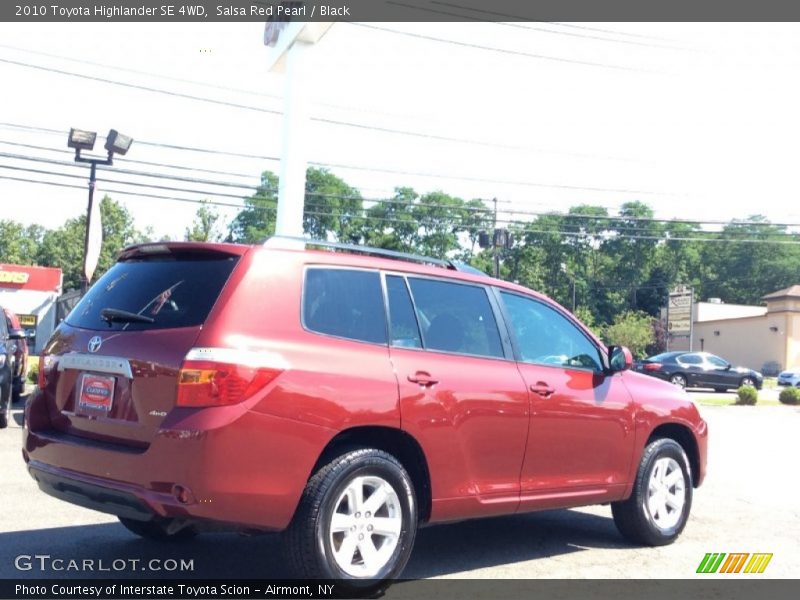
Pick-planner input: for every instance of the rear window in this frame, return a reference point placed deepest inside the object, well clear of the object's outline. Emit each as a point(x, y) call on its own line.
point(172, 290)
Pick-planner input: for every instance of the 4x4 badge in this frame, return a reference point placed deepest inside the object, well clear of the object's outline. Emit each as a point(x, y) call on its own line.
point(95, 343)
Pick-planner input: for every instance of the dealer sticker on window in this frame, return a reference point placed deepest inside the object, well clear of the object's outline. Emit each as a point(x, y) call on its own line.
point(96, 392)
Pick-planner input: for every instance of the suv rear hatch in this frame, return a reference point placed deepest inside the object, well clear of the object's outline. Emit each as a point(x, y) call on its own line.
point(111, 369)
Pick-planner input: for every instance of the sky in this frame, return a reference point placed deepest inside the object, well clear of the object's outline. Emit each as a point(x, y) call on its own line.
point(699, 121)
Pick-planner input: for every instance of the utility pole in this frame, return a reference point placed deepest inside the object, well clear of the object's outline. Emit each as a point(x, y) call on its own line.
point(288, 51)
point(494, 243)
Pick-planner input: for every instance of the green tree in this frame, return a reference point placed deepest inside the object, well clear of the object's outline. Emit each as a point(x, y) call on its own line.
point(256, 221)
point(204, 227)
point(18, 243)
point(633, 329)
point(332, 207)
point(63, 247)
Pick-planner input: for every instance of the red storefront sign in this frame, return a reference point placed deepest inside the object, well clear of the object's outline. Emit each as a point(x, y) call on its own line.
point(19, 277)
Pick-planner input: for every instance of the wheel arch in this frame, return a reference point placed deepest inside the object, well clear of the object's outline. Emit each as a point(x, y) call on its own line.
point(683, 436)
point(404, 447)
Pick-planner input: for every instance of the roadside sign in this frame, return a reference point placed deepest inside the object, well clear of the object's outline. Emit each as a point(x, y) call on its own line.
point(679, 313)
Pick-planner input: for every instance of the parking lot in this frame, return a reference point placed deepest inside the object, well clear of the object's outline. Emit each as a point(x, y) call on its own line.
point(748, 504)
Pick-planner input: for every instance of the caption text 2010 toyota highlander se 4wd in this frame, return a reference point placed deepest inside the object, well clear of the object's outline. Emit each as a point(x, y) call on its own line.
point(347, 398)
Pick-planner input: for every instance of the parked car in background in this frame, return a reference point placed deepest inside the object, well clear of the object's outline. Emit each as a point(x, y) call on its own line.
point(790, 377)
point(700, 370)
point(198, 386)
point(20, 365)
point(9, 342)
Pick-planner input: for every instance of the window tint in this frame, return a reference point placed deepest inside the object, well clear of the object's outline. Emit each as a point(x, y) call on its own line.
point(345, 303)
point(544, 336)
point(175, 290)
point(691, 359)
point(402, 322)
point(456, 318)
point(716, 361)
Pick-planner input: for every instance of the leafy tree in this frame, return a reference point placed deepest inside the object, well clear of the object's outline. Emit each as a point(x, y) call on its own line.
point(63, 247)
point(18, 243)
point(633, 329)
point(204, 227)
point(256, 221)
point(332, 207)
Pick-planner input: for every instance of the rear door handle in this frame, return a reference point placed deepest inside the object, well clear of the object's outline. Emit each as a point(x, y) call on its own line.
point(423, 378)
point(542, 389)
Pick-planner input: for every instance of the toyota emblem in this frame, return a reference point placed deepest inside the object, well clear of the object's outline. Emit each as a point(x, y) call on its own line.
point(95, 343)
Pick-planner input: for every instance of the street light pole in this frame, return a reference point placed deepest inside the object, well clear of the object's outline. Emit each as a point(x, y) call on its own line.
point(116, 143)
point(92, 180)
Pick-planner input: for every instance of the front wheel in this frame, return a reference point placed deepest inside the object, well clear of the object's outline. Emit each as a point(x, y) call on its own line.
point(658, 508)
point(356, 522)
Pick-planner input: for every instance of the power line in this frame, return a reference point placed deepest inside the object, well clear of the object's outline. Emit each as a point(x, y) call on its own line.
point(526, 228)
point(381, 169)
point(133, 161)
point(510, 17)
point(588, 219)
point(558, 59)
point(335, 122)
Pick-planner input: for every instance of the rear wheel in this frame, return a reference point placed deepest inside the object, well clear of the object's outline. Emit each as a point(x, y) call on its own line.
point(748, 381)
point(657, 510)
point(679, 380)
point(158, 529)
point(356, 522)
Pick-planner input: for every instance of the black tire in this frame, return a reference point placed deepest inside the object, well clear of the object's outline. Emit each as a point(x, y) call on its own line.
point(5, 404)
point(633, 517)
point(679, 380)
point(310, 543)
point(16, 391)
point(157, 530)
point(748, 381)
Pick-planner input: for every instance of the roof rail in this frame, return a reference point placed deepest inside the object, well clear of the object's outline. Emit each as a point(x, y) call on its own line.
point(284, 241)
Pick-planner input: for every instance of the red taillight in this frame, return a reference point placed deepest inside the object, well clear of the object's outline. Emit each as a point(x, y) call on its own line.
point(652, 366)
point(210, 383)
point(45, 365)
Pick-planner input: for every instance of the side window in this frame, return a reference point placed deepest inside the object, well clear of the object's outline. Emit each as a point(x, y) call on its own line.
point(402, 322)
point(545, 336)
point(345, 303)
point(456, 318)
point(716, 361)
point(690, 359)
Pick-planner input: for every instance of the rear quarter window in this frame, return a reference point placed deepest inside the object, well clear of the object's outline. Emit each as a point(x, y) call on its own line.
point(344, 303)
point(176, 290)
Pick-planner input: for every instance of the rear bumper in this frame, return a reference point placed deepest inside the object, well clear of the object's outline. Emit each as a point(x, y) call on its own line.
point(77, 489)
point(246, 470)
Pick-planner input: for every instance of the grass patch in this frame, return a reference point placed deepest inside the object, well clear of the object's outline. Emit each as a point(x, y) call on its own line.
point(727, 400)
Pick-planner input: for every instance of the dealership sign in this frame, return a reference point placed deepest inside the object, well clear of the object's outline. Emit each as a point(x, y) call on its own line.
point(679, 312)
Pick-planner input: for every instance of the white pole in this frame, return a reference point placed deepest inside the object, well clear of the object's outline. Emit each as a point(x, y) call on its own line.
point(292, 186)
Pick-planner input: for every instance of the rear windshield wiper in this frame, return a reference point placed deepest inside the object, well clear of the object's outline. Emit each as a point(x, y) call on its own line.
point(112, 315)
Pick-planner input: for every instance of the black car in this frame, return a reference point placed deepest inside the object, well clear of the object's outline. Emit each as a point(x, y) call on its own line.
point(8, 349)
point(698, 369)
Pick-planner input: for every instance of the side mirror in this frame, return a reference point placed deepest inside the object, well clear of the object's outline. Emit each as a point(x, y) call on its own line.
point(619, 358)
point(16, 334)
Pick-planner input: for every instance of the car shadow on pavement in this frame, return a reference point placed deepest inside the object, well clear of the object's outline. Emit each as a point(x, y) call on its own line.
point(439, 550)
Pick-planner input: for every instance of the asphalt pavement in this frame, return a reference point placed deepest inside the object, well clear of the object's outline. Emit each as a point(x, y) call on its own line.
point(749, 503)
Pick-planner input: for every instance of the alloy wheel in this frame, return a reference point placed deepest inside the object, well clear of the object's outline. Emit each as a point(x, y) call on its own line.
point(666, 493)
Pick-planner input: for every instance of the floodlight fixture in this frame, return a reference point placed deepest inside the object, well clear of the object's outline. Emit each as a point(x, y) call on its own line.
point(80, 139)
point(118, 143)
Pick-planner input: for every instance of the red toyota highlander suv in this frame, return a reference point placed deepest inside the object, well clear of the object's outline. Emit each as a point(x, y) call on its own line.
point(346, 395)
